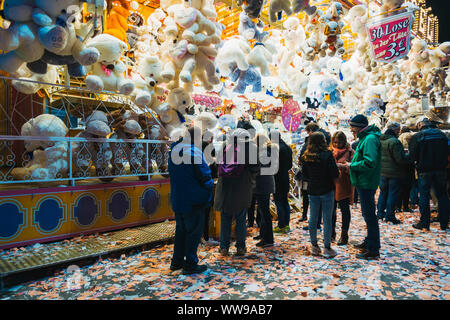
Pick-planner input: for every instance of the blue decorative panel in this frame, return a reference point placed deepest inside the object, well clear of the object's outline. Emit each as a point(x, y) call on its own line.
point(85, 210)
point(119, 205)
point(12, 219)
point(49, 215)
point(150, 201)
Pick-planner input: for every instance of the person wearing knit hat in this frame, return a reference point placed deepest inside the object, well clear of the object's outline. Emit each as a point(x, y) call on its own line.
point(359, 121)
point(365, 174)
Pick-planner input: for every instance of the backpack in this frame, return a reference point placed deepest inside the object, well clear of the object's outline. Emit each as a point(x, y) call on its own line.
point(233, 169)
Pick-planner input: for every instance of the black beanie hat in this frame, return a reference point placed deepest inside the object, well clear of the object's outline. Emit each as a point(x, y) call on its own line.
point(359, 121)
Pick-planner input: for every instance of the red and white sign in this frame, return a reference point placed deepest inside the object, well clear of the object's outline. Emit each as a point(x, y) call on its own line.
point(390, 37)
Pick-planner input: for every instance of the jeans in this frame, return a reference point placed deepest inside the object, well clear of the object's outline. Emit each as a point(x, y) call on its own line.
point(283, 210)
point(326, 203)
point(405, 189)
point(355, 197)
point(266, 230)
point(188, 232)
point(367, 198)
point(414, 193)
point(305, 203)
point(437, 180)
point(226, 219)
point(389, 196)
point(344, 205)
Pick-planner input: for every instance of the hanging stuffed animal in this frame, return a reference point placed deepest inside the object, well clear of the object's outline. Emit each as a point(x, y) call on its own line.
point(109, 73)
point(172, 113)
point(303, 5)
point(61, 41)
point(233, 50)
point(278, 6)
point(147, 78)
point(315, 44)
point(250, 30)
point(245, 78)
point(20, 40)
point(252, 7)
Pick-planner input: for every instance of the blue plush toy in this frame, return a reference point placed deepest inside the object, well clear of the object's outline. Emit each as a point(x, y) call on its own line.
point(59, 37)
point(249, 77)
point(330, 94)
point(250, 30)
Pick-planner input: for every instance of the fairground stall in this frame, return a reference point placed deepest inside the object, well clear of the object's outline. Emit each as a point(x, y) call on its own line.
point(93, 92)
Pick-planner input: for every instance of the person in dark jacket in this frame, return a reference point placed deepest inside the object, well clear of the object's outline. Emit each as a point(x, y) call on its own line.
point(310, 128)
point(320, 169)
point(429, 150)
point(190, 193)
point(265, 186)
point(393, 169)
point(365, 174)
point(234, 191)
point(282, 183)
point(209, 154)
point(408, 179)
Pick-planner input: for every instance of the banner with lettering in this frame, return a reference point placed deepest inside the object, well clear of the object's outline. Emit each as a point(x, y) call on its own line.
point(390, 37)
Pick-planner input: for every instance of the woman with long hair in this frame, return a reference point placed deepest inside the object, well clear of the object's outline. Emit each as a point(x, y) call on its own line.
point(319, 168)
point(343, 154)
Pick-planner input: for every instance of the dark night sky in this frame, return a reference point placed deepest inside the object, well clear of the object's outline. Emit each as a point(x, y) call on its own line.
point(441, 9)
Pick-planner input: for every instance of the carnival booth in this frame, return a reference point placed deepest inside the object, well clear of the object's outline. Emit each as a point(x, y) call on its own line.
point(93, 92)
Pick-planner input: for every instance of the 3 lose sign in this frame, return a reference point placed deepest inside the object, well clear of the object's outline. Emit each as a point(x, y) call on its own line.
point(390, 37)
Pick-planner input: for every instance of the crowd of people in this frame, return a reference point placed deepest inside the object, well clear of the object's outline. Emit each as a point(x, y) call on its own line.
point(250, 168)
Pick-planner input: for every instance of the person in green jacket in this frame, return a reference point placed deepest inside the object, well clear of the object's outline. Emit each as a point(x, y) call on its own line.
point(394, 164)
point(365, 172)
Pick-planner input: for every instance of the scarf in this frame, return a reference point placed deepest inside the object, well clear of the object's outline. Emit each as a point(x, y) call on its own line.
point(338, 154)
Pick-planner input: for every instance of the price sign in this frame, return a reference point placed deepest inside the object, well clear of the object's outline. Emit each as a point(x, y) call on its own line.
point(390, 37)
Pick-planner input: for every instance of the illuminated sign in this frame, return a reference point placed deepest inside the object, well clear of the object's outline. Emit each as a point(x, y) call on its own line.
point(390, 37)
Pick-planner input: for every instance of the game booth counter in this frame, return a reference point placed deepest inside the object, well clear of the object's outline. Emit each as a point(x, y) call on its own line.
point(94, 92)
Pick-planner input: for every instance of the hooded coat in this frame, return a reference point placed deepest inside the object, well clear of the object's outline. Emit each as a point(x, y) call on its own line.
point(365, 169)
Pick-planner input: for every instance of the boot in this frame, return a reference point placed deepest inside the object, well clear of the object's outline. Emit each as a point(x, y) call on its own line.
point(344, 238)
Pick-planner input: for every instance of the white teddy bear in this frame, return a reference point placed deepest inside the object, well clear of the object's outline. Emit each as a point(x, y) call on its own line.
point(234, 49)
point(206, 7)
point(52, 161)
point(260, 56)
point(147, 79)
point(172, 113)
point(294, 38)
point(108, 73)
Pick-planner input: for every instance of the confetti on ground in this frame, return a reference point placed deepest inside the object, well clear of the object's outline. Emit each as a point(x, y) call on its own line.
point(414, 264)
